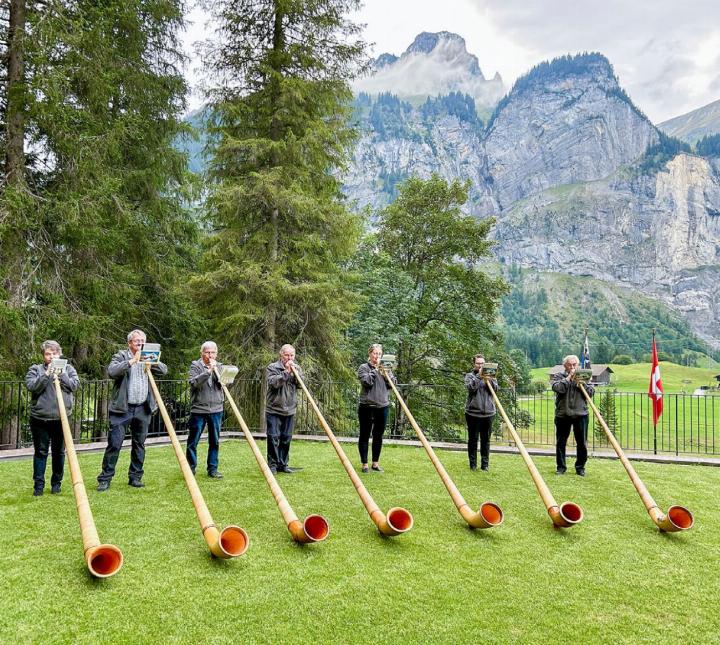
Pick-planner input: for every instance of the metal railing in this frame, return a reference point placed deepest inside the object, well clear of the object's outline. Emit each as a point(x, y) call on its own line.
point(689, 424)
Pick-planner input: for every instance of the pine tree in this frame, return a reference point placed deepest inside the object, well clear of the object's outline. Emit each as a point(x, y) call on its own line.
point(94, 224)
point(272, 269)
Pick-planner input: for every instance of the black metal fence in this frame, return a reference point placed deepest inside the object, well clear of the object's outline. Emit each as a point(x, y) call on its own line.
point(689, 424)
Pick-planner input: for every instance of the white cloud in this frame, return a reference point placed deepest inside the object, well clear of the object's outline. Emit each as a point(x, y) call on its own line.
point(664, 52)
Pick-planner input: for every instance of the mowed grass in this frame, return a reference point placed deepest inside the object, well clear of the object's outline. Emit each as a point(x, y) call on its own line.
point(611, 579)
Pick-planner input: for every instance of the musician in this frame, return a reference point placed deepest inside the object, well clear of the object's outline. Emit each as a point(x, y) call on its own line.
point(479, 413)
point(373, 406)
point(45, 423)
point(571, 413)
point(132, 406)
point(280, 406)
point(207, 402)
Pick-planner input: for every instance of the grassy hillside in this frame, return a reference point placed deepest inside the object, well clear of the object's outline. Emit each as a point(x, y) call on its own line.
point(546, 313)
point(636, 378)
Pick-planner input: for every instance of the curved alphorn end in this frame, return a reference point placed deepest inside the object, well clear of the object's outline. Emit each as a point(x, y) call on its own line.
point(488, 516)
point(678, 518)
point(396, 522)
point(104, 560)
point(231, 542)
point(315, 528)
point(566, 515)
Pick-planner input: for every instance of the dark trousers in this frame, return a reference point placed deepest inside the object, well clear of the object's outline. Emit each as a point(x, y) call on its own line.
point(197, 424)
point(279, 435)
point(372, 422)
point(138, 419)
point(478, 426)
point(47, 434)
point(579, 426)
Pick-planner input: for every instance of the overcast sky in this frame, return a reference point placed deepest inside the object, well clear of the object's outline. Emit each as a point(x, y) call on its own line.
point(666, 53)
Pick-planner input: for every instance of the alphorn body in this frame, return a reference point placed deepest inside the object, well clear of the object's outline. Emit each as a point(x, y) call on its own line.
point(103, 560)
point(564, 515)
point(678, 518)
point(315, 527)
point(232, 541)
point(489, 515)
point(398, 520)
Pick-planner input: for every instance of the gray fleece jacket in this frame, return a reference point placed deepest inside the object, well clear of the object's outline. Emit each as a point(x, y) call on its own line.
point(569, 400)
point(206, 393)
point(44, 402)
point(373, 386)
point(119, 372)
point(281, 397)
point(479, 399)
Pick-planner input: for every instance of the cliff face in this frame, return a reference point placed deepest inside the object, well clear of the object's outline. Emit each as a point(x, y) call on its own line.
point(558, 128)
point(659, 235)
point(559, 166)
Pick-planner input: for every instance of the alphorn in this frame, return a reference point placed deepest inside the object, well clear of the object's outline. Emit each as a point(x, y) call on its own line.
point(103, 560)
point(232, 541)
point(564, 515)
point(398, 520)
point(678, 518)
point(489, 515)
point(315, 527)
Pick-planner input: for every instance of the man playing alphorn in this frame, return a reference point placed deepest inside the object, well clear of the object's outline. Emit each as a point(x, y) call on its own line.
point(571, 413)
point(132, 405)
point(207, 401)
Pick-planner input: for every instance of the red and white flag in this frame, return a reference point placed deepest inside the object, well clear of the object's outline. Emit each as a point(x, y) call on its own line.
point(656, 387)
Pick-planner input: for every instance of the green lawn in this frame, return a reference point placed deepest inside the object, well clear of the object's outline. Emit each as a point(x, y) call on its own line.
point(636, 378)
point(611, 579)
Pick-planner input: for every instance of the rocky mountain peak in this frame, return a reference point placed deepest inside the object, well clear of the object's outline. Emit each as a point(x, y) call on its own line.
point(434, 64)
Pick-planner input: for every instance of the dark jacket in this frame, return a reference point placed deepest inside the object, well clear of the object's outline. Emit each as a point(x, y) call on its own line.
point(44, 401)
point(569, 400)
point(479, 399)
point(281, 397)
point(373, 386)
point(119, 372)
point(206, 394)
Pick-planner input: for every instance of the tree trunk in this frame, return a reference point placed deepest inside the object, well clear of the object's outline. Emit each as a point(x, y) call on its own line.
point(15, 151)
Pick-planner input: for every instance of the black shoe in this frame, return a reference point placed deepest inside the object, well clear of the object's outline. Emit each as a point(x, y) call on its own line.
point(377, 469)
point(484, 467)
point(273, 470)
point(365, 469)
point(287, 470)
point(473, 466)
point(55, 490)
point(38, 492)
point(560, 471)
point(103, 486)
point(214, 474)
point(580, 471)
point(136, 483)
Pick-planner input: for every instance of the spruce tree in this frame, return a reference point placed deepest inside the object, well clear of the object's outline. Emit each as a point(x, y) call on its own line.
point(280, 102)
point(95, 225)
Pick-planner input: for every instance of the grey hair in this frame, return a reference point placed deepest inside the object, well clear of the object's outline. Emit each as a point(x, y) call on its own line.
point(571, 357)
point(373, 347)
point(286, 346)
point(208, 343)
point(135, 332)
point(51, 344)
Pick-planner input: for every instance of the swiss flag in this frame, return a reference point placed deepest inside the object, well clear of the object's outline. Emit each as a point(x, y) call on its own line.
point(655, 392)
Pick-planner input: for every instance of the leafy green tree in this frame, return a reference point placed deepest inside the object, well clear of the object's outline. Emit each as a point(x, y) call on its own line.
point(425, 296)
point(272, 268)
point(92, 220)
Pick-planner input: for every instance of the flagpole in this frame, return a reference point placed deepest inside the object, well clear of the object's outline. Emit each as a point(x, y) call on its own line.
point(654, 421)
